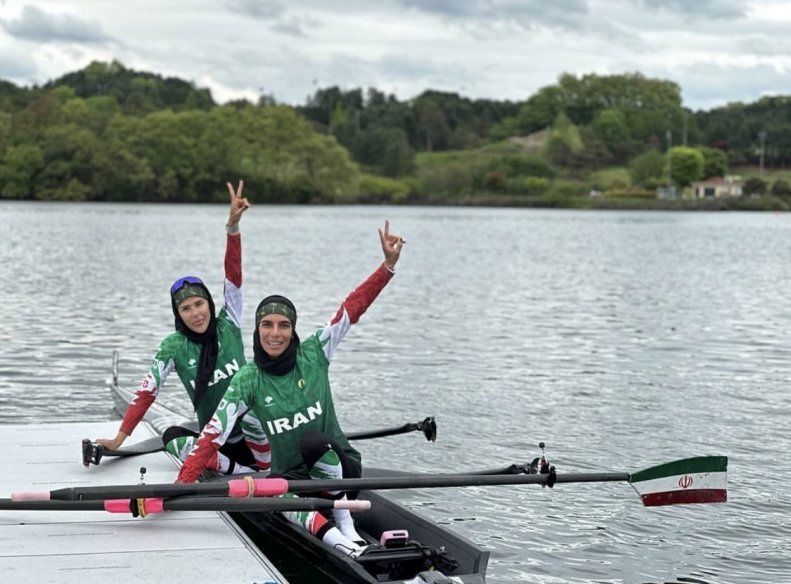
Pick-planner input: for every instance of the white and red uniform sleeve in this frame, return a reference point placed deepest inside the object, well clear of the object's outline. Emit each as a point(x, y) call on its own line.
point(232, 289)
point(213, 435)
point(352, 309)
point(147, 391)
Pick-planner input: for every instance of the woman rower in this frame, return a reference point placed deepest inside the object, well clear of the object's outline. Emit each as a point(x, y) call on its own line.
point(287, 388)
point(205, 351)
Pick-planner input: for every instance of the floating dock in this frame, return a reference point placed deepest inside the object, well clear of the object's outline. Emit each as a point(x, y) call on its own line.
point(87, 547)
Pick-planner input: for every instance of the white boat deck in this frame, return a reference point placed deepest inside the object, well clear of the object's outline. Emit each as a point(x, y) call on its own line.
point(87, 547)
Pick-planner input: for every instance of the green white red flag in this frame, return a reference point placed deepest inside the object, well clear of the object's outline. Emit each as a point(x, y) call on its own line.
point(693, 480)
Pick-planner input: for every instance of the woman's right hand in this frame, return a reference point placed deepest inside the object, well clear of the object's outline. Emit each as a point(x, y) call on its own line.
point(239, 204)
point(112, 443)
point(391, 246)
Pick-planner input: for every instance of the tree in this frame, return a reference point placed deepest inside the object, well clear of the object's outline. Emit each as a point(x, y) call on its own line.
point(19, 169)
point(686, 165)
point(781, 188)
point(611, 128)
point(433, 125)
point(715, 162)
point(564, 143)
point(647, 167)
point(754, 186)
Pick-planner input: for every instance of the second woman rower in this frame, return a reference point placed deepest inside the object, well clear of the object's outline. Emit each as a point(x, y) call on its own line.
point(205, 351)
point(287, 388)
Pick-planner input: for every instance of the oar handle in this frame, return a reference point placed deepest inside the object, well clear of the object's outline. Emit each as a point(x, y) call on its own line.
point(124, 492)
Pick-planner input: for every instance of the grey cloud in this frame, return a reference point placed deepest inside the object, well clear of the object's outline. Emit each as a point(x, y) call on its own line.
point(706, 86)
point(525, 13)
point(258, 9)
point(292, 27)
point(763, 45)
point(272, 13)
point(289, 73)
point(17, 67)
point(36, 25)
point(700, 9)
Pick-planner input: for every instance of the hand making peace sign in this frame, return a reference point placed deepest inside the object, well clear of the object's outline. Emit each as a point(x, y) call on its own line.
point(239, 204)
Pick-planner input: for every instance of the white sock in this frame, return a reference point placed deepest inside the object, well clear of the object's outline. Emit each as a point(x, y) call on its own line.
point(337, 541)
point(343, 519)
point(224, 463)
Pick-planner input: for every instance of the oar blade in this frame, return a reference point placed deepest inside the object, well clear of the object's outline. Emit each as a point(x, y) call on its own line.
point(702, 479)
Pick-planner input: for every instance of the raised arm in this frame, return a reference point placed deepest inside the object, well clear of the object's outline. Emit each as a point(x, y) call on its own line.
point(232, 289)
point(363, 296)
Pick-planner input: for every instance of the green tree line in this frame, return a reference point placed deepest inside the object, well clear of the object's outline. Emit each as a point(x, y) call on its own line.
point(162, 142)
point(111, 133)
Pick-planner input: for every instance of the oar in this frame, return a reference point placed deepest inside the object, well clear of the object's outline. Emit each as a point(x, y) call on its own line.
point(692, 480)
point(143, 507)
point(93, 453)
point(428, 426)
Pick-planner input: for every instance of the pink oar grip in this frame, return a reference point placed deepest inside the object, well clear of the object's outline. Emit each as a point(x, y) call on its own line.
point(238, 488)
point(30, 496)
point(155, 505)
point(122, 506)
point(353, 506)
point(270, 487)
point(117, 506)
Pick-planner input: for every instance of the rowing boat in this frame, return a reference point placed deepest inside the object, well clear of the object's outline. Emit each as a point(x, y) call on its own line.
point(431, 554)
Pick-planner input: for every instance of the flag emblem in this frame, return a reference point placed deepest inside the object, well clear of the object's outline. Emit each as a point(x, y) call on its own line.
point(693, 480)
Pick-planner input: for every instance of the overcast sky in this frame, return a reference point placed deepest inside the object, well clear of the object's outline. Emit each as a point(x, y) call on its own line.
point(717, 50)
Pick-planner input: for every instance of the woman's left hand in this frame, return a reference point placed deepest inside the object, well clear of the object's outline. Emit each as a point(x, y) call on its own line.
point(239, 204)
point(391, 246)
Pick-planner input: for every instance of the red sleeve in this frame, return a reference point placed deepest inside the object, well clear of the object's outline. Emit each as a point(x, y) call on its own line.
point(203, 451)
point(144, 396)
point(137, 409)
point(233, 260)
point(364, 295)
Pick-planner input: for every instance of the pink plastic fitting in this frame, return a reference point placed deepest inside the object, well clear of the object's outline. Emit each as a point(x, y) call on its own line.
point(117, 506)
point(270, 487)
point(30, 496)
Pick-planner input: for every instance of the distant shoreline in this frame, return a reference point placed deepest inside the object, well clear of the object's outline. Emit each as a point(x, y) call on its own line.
point(763, 203)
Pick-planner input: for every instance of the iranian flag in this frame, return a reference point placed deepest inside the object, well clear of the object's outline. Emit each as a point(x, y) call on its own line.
point(692, 480)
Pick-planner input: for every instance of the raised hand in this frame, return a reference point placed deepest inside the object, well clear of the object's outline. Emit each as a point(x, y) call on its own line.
point(239, 204)
point(391, 245)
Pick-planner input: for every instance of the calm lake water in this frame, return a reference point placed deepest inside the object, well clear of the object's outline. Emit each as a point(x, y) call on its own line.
point(621, 339)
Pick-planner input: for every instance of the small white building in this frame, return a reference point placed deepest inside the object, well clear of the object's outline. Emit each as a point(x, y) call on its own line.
point(718, 187)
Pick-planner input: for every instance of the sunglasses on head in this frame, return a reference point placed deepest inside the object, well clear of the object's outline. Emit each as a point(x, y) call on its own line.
point(181, 282)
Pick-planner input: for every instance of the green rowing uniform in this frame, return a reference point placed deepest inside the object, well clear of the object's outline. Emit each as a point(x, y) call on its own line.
point(291, 404)
point(177, 353)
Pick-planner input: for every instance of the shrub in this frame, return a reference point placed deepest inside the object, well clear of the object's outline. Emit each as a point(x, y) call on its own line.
point(781, 188)
point(495, 181)
point(754, 186)
point(522, 165)
point(630, 193)
point(646, 167)
point(535, 185)
point(453, 178)
point(382, 189)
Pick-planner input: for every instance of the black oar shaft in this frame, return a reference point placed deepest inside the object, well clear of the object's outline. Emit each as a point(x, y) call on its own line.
point(138, 491)
point(441, 481)
point(183, 504)
point(367, 435)
point(280, 486)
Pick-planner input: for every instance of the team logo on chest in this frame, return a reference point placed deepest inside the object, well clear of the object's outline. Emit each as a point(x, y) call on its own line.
point(280, 425)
